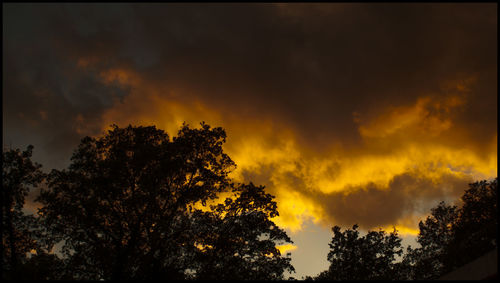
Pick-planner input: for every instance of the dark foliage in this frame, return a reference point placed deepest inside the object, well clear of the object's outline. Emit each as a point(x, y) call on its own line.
point(475, 230)
point(371, 257)
point(452, 237)
point(426, 262)
point(22, 235)
point(238, 238)
point(133, 205)
point(449, 238)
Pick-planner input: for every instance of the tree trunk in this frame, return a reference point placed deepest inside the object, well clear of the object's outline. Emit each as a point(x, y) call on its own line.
point(10, 228)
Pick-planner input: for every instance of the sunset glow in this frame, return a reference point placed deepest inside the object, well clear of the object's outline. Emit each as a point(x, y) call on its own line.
point(358, 113)
point(404, 140)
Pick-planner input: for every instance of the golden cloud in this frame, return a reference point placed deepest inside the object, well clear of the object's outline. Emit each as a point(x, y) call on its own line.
point(400, 140)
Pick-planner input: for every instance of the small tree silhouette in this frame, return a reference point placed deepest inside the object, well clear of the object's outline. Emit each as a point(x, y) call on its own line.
point(22, 235)
point(371, 257)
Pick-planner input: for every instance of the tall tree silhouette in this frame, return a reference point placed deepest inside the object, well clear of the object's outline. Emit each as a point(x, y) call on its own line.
point(21, 233)
point(475, 232)
point(133, 205)
point(451, 237)
point(436, 233)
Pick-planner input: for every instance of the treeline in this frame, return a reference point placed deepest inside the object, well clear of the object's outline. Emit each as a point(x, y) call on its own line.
point(449, 238)
point(137, 204)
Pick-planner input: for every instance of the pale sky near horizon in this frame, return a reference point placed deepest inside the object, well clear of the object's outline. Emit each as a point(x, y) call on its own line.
point(367, 113)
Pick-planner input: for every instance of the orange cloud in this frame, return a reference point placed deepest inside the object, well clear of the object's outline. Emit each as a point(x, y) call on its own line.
point(267, 152)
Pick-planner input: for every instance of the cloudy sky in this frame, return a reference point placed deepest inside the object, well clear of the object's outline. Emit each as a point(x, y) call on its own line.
point(347, 113)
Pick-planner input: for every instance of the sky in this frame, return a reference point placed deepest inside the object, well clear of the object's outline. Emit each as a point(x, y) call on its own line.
point(367, 113)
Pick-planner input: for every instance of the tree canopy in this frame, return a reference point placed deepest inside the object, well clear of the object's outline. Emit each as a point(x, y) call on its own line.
point(449, 237)
point(243, 243)
point(133, 204)
point(453, 236)
point(426, 261)
point(24, 239)
point(370, 257)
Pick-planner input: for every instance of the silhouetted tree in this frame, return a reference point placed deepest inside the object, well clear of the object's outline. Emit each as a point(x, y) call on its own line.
point(21, 233)
point(475, 230)
point(371, 257)
point(436, 232)
point(239, 239)
point(43, 266)
point(132, 205)
point(451, 237)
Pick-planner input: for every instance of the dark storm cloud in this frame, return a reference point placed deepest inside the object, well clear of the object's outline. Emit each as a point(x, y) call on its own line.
point(406, 197)
point(312, 64)
point(316, 66)
point(318, 69)
point(48, 101)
